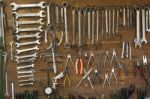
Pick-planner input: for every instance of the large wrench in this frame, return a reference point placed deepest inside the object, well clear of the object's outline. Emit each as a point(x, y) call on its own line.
point(67, 45)
point(79, 29)
point(38, 29)
point(40, 21)
point(89, 23)
point(143, 27)
point(97, 25)
point(37, 36)
point(26, 50)
point(84, 9)
point(93, 25)
point(15, 6)
point(24, 15)
point(137, 40)
point(27, 43)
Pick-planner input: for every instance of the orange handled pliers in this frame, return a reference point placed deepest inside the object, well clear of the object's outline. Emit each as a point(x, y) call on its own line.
point(79, 64)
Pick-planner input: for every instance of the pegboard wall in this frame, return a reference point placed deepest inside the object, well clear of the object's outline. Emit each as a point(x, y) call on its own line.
point(105, 43)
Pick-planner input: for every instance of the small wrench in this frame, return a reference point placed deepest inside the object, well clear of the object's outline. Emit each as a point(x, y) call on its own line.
point(26, 56)
point(26, 66)
point(25, 72)
point(27, 43)
point(25, 76)
point(79, 29)
point(15, 6)
point(29, 60)
point(39, 29)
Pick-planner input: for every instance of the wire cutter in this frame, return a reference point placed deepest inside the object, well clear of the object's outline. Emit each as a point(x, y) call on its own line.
point(114, 56)
point(66, 71)
point(86, 76)
point(106, 80)
point(91, 55)
point(113, 73)
point(138, 69)
point(79, 64)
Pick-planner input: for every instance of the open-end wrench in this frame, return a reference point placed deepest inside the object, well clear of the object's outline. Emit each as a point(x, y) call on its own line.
point(25, 72)
point(25, 76)
point(29, 60)
point(93, 26)
point(67, 45)
point(37, 36)
point(143, 40)
point(89, 22)
point(6, 84)
point(117, 22)
point(97, 24)
point(24, 15)
point(11, 50)
point(25, 67)
point(124, 16)
point(26, 50)
point(113, 20)
point(57, 14)
point(15, 6)
point(26, 80)
point(27, 43)
point(109, 21)
point(79, 29)
point(26, 56)
point(26, 84)
point(40, 21)
point(106, 20)
point(137, 40)
point(102, 21)
point(147, 19)
point(73, 27)
point(35, 29)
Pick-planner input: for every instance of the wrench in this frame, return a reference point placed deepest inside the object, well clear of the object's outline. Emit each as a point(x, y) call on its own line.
point(113, 21)
point(40, 21)
point(106, 20)
point(26, 56)
point(26, 84)
point(27, 50)
point(89, 23)
point(25, 67)
point(93, 25)
point(24, 15)
point(109, 21)
point(137, 40)
point(27, 80)
point(6, 84)
point(143, 27)
point(25, 72)
point(84, 10)
point(97, 24)
point(67, 45)
point(27, 43)
point(79, 29)
point(11, 50)
point(117, 21)
point(29, 60)
point(20, 6)
point(73, 27)
point(39, 29)
point(37, 36)
point(12, 90)
point(124, 16)
point(147, 20)
point(25, 76)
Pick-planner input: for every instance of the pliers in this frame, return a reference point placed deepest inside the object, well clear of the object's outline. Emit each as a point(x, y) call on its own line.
point(91, 55)
point(145, 64)
point(106, 80)
point(138, 69)
point(79, 64)
point(114, 56)
point(113, 73)
point(86, 76)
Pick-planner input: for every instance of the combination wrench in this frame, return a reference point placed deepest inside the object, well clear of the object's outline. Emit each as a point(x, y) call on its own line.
point(11, 50)
point(84, 10)
point(6, 84)
point(24, 15)
point(25, 76)
point(25, 67)
point(106, 20)
point(97, 25)
point(37, 36)
point(89, 23)
point(26, 56)
point(40, 21)
point(79, 29)
point(27, 50)
point(29, 60)
point(25, 72)
point(12, 90)
point(67, 45)
point(35, 29)
point(93, 26)
point(73, 27)
point(137, 40)
point(143, 40)
point(27, 43)
point(15, 6)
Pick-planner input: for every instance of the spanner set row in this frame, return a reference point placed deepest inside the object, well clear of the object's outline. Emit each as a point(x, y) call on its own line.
point(30, 30)
point(66, 31)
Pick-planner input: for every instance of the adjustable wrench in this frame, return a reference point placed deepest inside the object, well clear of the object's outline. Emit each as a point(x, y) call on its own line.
point(26, 56)
point(93, 26)
point(27, 43)
point(73, 27)
point(67, 45)
point(37, 36)
point(38, 29)
point(15, 6)
point(79, 29)
point(24, 15)
point(25, 67)
point(143, 27)
point(137, 40)
point(40, 21)
point(26, 50)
